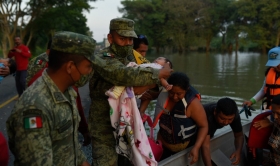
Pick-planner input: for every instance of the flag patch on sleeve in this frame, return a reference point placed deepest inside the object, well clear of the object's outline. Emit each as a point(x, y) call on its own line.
point(33, 122)
point(39, 62)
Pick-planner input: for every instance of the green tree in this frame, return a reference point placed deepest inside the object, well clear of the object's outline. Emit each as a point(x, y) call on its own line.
point(149, 18)
point(32, 19)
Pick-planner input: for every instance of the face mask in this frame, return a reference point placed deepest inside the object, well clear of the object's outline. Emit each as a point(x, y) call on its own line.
point(121, 51)
point(83, 78)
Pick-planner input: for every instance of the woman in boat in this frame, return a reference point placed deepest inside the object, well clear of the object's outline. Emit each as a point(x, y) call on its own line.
point(180, 115)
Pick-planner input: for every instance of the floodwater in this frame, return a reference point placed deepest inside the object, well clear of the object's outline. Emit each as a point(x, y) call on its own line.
point(238, 76)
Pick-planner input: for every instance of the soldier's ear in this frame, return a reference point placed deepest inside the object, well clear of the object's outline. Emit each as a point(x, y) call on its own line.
point(69, 66)
point(110, 38)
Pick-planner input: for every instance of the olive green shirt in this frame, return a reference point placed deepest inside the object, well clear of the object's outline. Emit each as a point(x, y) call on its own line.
point(111, 70)
point(54, 139)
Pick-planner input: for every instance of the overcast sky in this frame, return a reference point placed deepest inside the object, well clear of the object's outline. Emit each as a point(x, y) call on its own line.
point(98, 19)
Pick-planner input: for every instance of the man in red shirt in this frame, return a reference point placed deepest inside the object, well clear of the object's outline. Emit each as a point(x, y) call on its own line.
point(21, 54)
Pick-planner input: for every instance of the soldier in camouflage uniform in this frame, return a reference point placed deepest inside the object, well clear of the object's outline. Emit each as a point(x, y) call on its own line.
point(35, 70)
point(113, 71)
point(43, 126)
point(37, 63)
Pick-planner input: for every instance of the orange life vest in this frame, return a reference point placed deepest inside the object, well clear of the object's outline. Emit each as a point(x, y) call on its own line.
point(272, 86)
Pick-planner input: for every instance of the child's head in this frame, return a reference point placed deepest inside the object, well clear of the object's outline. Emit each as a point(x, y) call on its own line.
point(11, 63)
point(276, 108)
point(162, 61)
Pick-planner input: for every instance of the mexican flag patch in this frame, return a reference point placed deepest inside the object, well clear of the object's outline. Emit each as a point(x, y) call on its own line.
point(33, 122)
point(39, 62)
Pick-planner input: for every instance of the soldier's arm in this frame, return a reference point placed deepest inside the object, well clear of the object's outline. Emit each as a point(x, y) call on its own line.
point(117, 73)
point(29, 138)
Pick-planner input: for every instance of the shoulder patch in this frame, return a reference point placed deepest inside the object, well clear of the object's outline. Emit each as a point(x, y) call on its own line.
point(107, 54)
point(33, 122)
point(32, 112)
point(32, 119)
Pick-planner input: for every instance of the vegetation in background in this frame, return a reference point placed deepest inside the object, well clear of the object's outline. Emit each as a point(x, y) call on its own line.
point(35, 21)
point(170, 25)
point(222, 25)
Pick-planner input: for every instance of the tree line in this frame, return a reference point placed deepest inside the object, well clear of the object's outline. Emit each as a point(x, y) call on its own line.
point(176, 25)
point(35, 21)
point(183, 25)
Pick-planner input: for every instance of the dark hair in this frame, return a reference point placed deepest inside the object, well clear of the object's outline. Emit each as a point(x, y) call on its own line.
point(142, 39)
point(276, 100)
point(49, 44)
point(179, 79)
point(12, 66)
point(170, 63)
point(227, 106)
point(58, 58)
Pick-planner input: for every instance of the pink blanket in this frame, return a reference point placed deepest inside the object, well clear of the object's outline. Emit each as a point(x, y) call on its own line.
point(131, 138)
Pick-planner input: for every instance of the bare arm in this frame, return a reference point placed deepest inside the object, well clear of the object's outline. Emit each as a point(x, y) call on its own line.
point(198, 114)
point(205, 151)
point(238, 142)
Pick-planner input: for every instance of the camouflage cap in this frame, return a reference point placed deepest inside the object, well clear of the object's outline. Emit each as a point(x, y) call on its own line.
point(123, 26)
point(74, 43)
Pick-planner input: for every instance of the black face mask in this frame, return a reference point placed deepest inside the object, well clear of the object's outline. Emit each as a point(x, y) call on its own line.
point(122, 51)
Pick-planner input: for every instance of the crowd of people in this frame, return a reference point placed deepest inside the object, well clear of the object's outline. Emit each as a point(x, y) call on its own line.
point(44, 123)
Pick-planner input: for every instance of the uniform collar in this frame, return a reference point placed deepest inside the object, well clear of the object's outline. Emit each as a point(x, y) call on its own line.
point(57, 95)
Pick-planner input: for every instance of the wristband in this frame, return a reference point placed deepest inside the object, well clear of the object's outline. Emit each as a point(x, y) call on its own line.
point(253, 100)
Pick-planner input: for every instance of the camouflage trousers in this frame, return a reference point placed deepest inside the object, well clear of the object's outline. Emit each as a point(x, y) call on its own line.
point(103, 141)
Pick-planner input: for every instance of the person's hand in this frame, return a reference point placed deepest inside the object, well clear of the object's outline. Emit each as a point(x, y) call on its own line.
point(165, 72)
point(193, 155)
point(262, 123)
point(150, 95)
point(87, 139)
point(168, 87)
point(235, 155)
point(17, 50)
point(4, 71)
point(85, 163)
point(248, 103)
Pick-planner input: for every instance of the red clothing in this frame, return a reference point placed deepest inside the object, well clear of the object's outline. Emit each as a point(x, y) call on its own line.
point(21, 58)
point(4, 151)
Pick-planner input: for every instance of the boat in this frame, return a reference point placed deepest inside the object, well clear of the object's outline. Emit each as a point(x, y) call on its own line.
point(221, 147)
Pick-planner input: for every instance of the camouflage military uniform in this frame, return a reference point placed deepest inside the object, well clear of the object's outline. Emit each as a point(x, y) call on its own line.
point(43, 126)
point(35, 65)
point(107, 73)
point(56, 142)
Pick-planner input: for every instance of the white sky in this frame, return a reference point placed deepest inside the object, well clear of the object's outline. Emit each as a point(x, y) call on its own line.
point(98, 19)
